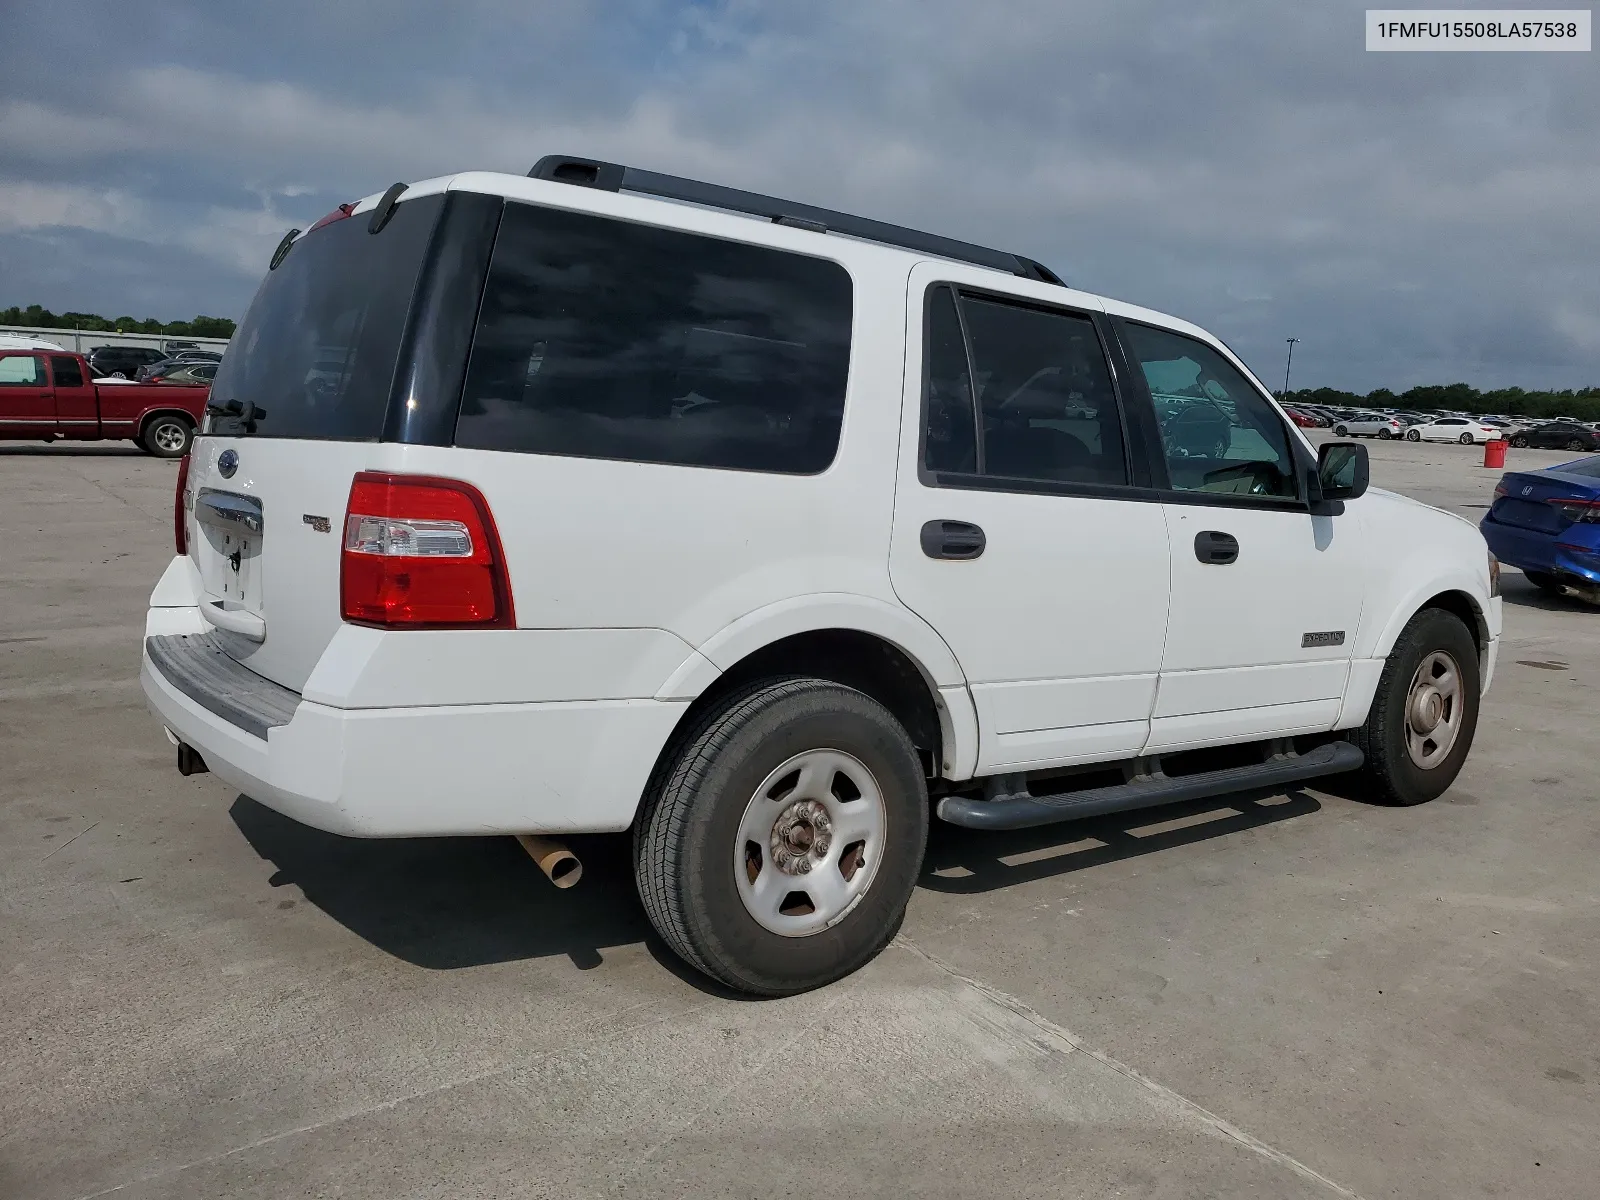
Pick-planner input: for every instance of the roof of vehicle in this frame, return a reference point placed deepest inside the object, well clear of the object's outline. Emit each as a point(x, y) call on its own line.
point(12, 341)
point(753, 219)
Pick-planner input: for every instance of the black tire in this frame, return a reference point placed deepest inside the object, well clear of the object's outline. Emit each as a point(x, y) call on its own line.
point(1384, 435)
point(1465, 439)
point(1575, 444)
point(167, 435)
point(1520, 442)
point(687, 833)
point(1545, 582)
point(1389, 775)
point(1340, 431)
point(1413, 435)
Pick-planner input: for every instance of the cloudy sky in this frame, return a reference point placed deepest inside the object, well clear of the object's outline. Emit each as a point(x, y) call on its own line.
point(1411, 218)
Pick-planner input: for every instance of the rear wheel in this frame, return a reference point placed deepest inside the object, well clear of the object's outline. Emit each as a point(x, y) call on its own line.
point(1425, 711)
point(1465, 439)
point(1384, 434)
point(167, 435)
point(781, 836)
point(1413, 435)
point(1340, 431)
point(1575, 444)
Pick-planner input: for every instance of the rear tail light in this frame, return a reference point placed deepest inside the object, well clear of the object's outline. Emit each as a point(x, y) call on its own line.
point(1579, 512)
point(421, 553)
point(180, 508)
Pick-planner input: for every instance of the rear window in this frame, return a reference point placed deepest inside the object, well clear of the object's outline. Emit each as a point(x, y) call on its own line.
point(602, 339)
point(1584, 466)
point(316, 352)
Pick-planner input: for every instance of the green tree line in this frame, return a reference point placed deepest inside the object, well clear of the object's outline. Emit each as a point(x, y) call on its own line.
point(43, 318)
point(1582, 403)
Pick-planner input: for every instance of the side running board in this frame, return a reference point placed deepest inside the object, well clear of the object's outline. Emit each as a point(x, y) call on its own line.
point(1019, 810)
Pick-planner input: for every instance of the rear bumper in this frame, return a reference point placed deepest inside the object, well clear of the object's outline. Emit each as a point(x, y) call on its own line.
point(1528, 550)
point(420, 771)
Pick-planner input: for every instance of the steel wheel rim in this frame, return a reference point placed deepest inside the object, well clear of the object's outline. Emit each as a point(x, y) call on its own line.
point(813, 834)
point(1435, 706)
point(168, 435)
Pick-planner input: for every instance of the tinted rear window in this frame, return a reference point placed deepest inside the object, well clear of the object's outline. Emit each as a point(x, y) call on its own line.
point(603, 339)
point(316, 352)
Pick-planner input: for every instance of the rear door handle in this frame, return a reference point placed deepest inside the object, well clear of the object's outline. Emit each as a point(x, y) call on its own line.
point(1214, 548)
point(952, 539)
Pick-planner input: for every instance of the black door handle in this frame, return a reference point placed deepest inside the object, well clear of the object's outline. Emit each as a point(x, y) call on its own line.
point(1216, 549)
point(952, 539)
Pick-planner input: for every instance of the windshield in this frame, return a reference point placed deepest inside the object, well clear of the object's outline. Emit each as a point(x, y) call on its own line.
point(315, 355)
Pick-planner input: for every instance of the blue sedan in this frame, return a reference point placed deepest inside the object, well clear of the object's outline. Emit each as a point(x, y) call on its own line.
point(1548, 524)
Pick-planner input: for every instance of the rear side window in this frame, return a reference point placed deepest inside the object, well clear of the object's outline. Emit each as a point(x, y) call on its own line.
point(22, 370)
point(602, 339)
point(316, 352)
point(1046, 410)
point(66, 371)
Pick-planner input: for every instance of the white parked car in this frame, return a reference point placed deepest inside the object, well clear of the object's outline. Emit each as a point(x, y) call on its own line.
point(1454, 429)
point(16, 341)
point(1370, 425)
point(768, 544)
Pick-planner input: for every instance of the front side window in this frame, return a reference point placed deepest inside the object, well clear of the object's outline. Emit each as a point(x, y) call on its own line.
point(22, 370)
point(604, 339)
point(1046, 410)
point(1218, 432)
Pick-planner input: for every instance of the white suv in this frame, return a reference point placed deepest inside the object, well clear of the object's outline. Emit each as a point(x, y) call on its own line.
point(604, 500)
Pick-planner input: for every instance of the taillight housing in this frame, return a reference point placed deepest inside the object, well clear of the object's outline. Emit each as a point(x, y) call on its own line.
point(180, 508)
point(421, 552)
point(1579, 512)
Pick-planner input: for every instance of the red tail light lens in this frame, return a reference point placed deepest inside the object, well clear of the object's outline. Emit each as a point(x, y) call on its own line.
point(421, 553)
point(1584, 512)
point(180, 508)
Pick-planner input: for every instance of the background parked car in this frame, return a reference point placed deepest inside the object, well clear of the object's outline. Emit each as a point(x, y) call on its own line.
point(1369, 424)
point(1465, 430)
point(122, 362)
point(186, 374)
point(150, 370)
point(1303, 419)
point(1547, 523)
point(1557, 435)
point(15, 341)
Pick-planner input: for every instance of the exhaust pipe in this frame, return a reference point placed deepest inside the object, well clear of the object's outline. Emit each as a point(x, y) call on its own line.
point(560, 865)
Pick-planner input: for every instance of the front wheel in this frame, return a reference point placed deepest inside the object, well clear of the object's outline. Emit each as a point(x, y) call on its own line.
point(781, 836)
point(167, 436)
point(1520, 442)
point(1341, 431)
point(1413, 435)
point(1425, 712)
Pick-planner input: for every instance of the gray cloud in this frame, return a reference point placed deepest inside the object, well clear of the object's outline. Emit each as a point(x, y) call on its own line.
point(1412, 218)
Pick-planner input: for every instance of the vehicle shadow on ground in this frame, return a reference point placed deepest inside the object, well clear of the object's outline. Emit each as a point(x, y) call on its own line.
point(964, 862)
point(446, 903)
point(69, 450)
point(1514, 589)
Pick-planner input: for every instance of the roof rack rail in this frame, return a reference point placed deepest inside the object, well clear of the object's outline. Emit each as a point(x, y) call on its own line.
point(614, 177)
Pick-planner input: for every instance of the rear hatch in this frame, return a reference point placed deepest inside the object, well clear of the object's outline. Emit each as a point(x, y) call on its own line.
point(1523, 499)
point(298, 405)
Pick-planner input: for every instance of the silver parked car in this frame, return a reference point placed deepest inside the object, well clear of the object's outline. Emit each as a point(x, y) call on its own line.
point(1370, 424)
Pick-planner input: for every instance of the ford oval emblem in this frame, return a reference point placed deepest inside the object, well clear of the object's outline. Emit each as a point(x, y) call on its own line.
point(228, 463)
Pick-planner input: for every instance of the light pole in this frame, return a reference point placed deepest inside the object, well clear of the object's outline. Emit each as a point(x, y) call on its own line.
point(1287, 365)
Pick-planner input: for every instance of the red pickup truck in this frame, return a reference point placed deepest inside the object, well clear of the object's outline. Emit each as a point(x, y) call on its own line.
point(50, 394)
